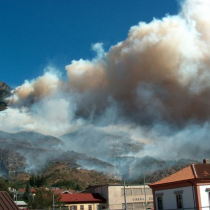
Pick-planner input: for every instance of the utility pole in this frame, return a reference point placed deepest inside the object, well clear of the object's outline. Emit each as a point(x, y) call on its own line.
point(145, 195)
point(125, 197)
point(16, 196)
point(53, 202)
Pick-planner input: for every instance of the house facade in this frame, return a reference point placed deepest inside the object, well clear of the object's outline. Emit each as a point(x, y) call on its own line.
point(188, 188)
point(137, 197)
point(83, 201)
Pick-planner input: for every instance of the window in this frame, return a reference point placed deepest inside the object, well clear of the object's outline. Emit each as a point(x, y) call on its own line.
point(148, 191)
point(99, 207)
point(150, 205)
point(89, 207)
point(160, 202)
point(127, 191)
point(81, 207)
point(179, 201)
point(129, 206)
point(137, 206)
point(137, 191)
point(73, 207)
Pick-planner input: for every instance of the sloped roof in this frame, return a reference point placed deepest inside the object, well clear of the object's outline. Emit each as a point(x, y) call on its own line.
point(202, 171)
point(24, 190)
point(6, 202)
point(194, 171)
point(82, 198)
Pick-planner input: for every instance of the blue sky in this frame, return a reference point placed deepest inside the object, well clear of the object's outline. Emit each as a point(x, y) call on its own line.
point(37, 33)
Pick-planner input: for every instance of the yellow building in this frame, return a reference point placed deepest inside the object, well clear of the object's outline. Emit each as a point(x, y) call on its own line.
point(84, 201)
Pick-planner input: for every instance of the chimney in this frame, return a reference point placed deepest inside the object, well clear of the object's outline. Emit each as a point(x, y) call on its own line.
point(206, 161)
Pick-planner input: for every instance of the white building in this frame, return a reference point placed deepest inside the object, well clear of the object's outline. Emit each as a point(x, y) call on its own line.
point(136, 196)
point(21, 204)
point(188, 188)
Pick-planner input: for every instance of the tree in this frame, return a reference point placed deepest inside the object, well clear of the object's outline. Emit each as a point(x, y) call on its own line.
point(27, 194)
point(3, 185)
point(42, 181)
point(37, 181)
point(32, 181)
point(44, 199)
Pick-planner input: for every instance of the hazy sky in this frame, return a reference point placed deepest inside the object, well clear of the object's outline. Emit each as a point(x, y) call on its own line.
point(36, 33)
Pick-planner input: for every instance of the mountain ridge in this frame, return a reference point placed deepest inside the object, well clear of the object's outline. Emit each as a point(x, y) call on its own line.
point(36, 153)
point(5, 91)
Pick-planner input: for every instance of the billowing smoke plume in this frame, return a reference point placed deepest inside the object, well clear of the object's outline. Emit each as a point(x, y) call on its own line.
point(156, 80)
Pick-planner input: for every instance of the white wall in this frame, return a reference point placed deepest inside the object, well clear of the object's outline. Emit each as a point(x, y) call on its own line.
point(204, 197)
point(169, 198)
point(115, 197)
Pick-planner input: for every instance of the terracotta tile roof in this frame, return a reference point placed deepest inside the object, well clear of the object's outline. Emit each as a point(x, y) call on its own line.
point(194, 171)
point(24, 190)
point(82, 198)
point(6, 202)
point(202, 170)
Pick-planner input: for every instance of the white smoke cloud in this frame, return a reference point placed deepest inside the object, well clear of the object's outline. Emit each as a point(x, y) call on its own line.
point(147, 85)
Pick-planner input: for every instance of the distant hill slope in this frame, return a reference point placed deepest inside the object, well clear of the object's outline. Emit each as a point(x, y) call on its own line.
point(99, 144)
point(55, 173)
point(4, 92)
point(120, 151)
point(112, 155)
point(161, 173)
point(38, 151)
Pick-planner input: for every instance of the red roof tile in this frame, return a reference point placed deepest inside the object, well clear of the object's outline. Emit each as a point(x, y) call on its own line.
point(24, 190)
point(194, 171)
point(202, 170)
point(6, 202)
point(82, 198)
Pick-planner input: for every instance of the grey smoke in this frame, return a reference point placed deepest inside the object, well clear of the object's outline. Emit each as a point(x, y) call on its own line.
point(152, 87)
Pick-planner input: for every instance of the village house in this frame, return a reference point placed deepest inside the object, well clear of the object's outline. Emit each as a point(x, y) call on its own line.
point(188, 188)
point(137, 197)
point(19, 194)
point(83, 201)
